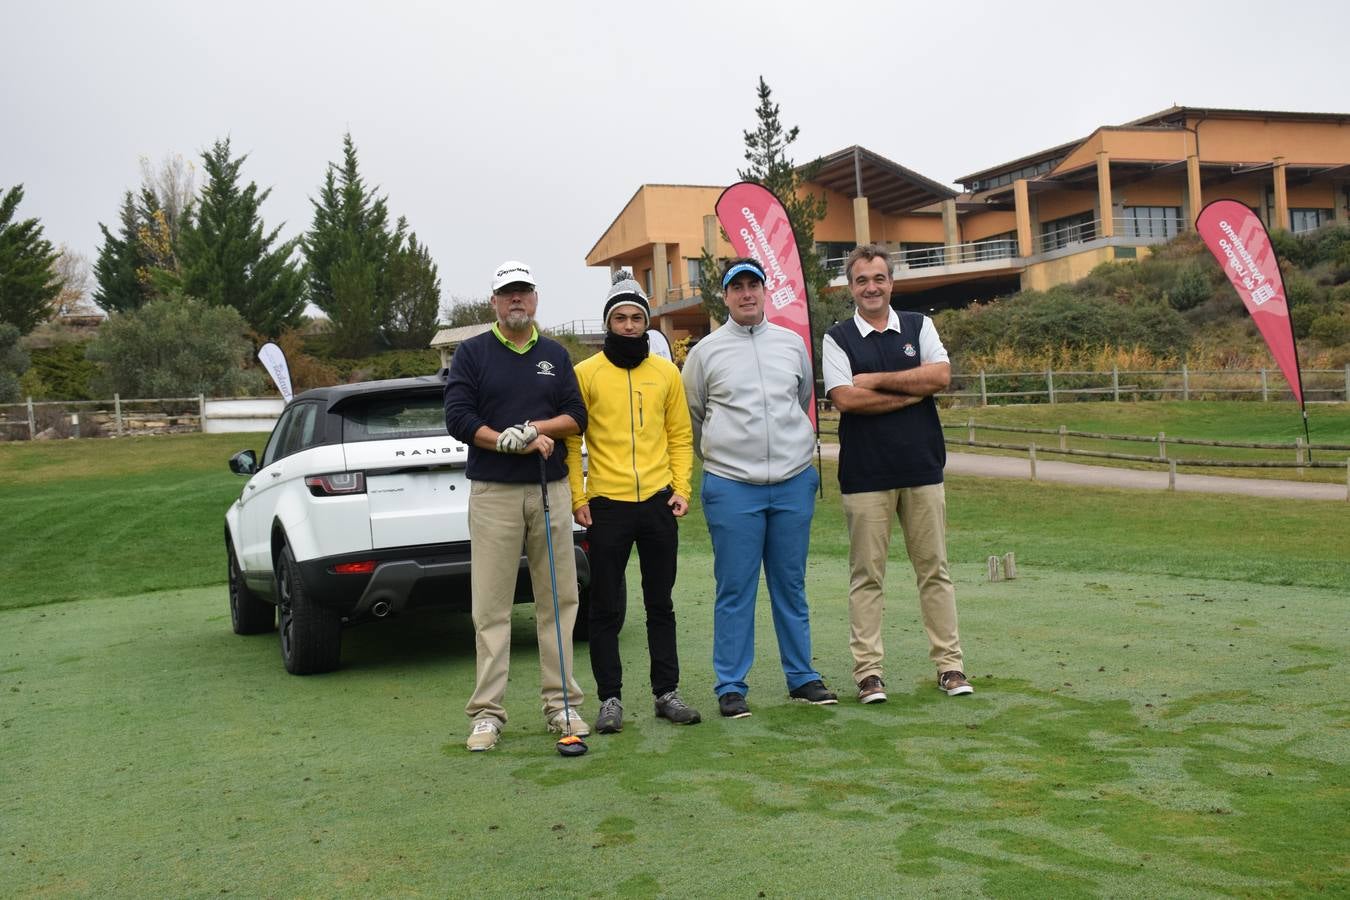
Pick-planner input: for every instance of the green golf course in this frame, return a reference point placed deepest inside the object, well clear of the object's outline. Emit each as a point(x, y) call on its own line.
point(1160, 710)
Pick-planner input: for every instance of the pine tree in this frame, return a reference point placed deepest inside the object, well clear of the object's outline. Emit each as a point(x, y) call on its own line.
point(350, 241)
point(119, 264)
point(710, 286)
point(766, 151)
point(414, 286)
point(28, 279)
point(229, 259)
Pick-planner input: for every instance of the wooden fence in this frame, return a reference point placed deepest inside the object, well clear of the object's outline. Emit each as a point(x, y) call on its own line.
point(1051, 386)
point(118, 416)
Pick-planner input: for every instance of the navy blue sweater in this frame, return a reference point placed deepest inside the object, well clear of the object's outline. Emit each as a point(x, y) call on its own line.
point(491, 384)
point(898, 449)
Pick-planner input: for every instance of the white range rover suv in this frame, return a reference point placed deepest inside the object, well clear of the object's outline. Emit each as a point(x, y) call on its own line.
point(357, 510)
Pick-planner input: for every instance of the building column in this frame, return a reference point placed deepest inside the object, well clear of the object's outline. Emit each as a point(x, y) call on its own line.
point(710, 227)
point(950, 233)
point(1022, 207)
point(1338, 203)
point(659, 280)
point(1107, 212)
point(613, 269)
point(1193, 193)
point(862, 222)
point(1281, 197)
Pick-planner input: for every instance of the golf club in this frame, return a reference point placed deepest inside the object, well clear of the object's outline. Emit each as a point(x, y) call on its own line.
point(570, 744)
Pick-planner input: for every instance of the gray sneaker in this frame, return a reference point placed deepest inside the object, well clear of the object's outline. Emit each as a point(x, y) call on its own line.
point(610, 719)
point(670, 706)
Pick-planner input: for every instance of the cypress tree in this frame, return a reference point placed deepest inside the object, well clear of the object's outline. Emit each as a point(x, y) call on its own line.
point(28, 281)
point(414, 297)
point(227, 257)
point(120, 261)
point(350, 241)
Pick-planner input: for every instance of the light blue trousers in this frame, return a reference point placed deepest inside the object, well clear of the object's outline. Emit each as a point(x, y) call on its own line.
point(754, 526)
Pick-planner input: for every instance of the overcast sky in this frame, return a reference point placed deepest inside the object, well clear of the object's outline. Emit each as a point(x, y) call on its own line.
point(519, 130)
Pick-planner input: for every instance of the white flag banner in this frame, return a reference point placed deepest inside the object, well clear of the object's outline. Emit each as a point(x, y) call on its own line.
point(659, 345)
point(274, 360)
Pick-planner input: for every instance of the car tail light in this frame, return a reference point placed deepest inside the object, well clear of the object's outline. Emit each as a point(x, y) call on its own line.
point(355, 568)
point(336, 484)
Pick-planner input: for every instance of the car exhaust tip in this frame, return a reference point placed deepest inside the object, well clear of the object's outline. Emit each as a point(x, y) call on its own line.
point(380, 609)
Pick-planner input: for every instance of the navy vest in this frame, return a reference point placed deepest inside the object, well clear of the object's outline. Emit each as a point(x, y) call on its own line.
point(898, 449)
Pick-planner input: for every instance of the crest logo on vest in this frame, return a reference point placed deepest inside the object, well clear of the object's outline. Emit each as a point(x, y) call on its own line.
point(546, 368)
point(910, 351)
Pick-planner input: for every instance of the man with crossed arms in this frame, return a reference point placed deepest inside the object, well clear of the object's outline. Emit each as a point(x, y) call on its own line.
point(881, 370)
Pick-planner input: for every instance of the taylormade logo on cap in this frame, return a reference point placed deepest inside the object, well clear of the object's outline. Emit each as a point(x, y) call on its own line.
point(512, 272)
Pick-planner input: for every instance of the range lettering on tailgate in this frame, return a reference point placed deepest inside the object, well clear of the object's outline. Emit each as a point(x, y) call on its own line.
point(430, 451)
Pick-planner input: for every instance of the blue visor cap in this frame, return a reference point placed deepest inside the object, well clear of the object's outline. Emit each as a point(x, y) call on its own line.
point(752, 268)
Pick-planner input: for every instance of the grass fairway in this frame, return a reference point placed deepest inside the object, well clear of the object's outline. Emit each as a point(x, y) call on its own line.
point(1161, 710)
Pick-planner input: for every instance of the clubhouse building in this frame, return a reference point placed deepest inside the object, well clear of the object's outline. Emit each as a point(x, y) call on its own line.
point(1030, 223)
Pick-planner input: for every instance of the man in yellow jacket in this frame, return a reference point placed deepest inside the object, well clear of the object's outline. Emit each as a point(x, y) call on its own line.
point(640, 448)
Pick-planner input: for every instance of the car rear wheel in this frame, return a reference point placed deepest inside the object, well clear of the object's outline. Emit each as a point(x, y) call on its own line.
point(249, 613)
point(311, 636)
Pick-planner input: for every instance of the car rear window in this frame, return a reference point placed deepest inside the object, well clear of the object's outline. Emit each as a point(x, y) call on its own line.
point(387, 418)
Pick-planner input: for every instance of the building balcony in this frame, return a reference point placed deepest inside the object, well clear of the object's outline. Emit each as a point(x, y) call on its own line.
point(944, 264)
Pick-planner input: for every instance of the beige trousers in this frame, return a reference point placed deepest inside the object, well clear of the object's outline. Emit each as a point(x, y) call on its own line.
point(923, 519)
point(502, 517)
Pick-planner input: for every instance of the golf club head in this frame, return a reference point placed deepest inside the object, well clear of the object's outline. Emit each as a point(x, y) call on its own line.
point(571, 745)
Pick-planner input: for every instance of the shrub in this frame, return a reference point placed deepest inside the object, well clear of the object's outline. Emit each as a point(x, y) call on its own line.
point(13, 362)
point(391, 364)
point(62, 372)
point(1330, 329)
point(173, 348)
point(1190, 288)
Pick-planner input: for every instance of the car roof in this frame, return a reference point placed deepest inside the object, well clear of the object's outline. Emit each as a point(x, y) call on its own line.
point(338, 394)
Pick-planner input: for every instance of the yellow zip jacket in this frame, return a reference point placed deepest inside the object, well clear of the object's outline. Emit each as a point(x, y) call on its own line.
point(638, 437)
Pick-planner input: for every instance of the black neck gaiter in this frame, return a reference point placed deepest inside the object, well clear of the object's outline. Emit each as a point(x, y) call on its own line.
point(626, 352)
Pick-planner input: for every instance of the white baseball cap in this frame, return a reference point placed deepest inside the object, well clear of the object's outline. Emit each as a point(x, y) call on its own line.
point(513, 271)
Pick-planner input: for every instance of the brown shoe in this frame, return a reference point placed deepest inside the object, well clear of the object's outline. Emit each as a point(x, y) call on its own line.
point(872, 690)
point(954, 683)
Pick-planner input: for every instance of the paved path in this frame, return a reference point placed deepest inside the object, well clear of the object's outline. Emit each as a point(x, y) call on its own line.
point(1138, 479)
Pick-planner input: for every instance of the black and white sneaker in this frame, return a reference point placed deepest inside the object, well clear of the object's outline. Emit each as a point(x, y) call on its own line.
point(814, 692)
point(610, 719)
point(733, 705)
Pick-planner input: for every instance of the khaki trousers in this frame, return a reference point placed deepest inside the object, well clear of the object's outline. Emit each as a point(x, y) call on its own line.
point(502, 517)
point(923, 519)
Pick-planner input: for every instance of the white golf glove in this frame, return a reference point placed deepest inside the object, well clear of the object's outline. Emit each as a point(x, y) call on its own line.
point(516, 438)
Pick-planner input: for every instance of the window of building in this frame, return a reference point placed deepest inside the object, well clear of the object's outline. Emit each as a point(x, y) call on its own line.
point(1301, 220)
point(833, 254)
point(993, 181)
point(918, 255)
point(998, 246)
point(1152, 221)
point(647, 281)
point(1067, 231)
point(694, 269)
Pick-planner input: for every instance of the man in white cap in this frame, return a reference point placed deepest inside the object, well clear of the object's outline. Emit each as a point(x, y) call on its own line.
point(512, 393)
point(637, 487)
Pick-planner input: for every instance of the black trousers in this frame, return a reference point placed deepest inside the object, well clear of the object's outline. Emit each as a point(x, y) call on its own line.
point(617, 525)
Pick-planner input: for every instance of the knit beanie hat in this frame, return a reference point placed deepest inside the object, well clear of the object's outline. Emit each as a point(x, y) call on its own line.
point(625, 291)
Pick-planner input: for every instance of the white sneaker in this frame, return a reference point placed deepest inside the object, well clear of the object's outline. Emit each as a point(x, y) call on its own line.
point(484, 735)
point(571, 723)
